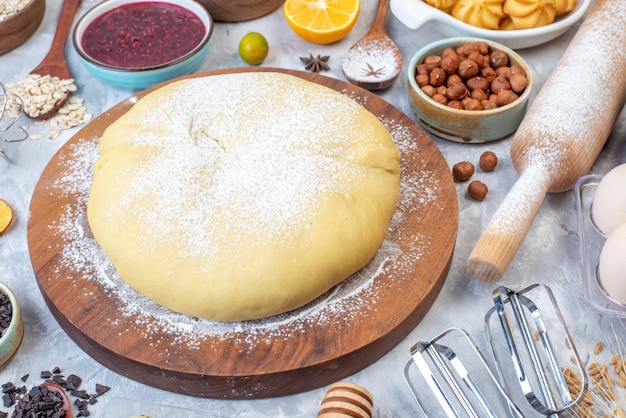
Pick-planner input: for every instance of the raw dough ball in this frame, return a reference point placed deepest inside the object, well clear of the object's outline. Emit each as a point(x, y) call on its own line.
point(236, 197)
point(609, 202)
point(612, 265)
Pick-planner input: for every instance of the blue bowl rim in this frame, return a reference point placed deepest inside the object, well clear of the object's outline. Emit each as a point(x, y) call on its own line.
point(93, 13)
point(442, 44)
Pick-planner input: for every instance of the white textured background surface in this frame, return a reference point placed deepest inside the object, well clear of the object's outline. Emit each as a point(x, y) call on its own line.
point(549, 254)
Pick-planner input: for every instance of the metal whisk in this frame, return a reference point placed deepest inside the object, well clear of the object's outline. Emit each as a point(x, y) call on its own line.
point(11, 109)
point(532, 353)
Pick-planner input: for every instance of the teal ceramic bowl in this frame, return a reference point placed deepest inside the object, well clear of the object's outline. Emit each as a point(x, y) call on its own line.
point(467, 126)
point(137, 75)
point(12, 337)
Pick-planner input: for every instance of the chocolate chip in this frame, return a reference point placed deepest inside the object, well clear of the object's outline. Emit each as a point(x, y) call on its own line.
point(40, 401)
point(73, 382)
point(8, 387)
point(24, 378)
point(80, 394)
point(6, 313)
point(101, 389)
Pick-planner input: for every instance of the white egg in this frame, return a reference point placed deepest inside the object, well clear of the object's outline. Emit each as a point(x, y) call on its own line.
point(612, 264)
point(608, 210)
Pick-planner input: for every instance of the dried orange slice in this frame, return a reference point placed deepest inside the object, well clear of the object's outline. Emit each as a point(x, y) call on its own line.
point(321, 21)
point(6, 216)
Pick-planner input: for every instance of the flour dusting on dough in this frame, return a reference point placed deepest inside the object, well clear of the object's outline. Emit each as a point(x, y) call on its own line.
point(353, 297)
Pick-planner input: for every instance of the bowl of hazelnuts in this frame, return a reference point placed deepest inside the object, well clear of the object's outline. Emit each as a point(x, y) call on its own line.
point(468, 89)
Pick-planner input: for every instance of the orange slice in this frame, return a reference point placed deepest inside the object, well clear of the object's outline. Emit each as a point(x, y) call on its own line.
point(321, 21)
point(6, 216)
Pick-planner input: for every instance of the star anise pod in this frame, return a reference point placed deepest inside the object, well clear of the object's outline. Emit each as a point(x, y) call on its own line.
point(316, 64)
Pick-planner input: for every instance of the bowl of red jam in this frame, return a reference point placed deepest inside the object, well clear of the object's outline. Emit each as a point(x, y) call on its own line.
point(139, 43)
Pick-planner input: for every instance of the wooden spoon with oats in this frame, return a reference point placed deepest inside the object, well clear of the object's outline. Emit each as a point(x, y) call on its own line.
point(52, 76)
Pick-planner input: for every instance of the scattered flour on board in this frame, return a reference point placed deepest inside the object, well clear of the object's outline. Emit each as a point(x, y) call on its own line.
point(82, 257)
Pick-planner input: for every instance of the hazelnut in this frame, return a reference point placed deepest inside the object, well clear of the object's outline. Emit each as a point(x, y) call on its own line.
point(422, 69)
point(505, 97)
point(488, 161)
point(480, 95)
point(468, 68)
point(422, 80)
point(450, 63)
point(437, 77)
point(477, 190)
point(516, 69)
point(503, 72)
point(518, 82)
point(500, 83)
point(479, 59)
point(482, 77)
point(488, 73)
point(483, 47)
point(456, 91)
point(453, 78)
point(488, 104)
point(440, 98)
point(463, 171)
point(432, 61)
point(478, 82)
point(499, 59)
point(428, 90)
point(470, 103)
point(449, 51)
point(467, 48)
point(455, 104)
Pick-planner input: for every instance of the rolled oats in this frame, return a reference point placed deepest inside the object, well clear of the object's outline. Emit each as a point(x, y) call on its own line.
point(41, 93)
point(10, 7)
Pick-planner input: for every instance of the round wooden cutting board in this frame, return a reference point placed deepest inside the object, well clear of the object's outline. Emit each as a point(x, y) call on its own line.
point(333, 337)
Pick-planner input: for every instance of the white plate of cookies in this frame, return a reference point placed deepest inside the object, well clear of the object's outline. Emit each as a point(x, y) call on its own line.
point(526, 25)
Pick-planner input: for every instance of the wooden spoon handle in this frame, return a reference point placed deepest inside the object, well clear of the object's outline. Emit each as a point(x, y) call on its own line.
point(64, 25)
point(378, 26)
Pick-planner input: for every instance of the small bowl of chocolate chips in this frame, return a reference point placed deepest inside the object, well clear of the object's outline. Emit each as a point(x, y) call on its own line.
point(11, 324)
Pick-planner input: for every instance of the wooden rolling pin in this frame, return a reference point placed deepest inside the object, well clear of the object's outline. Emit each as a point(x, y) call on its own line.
point(346, 400)
point(562, 133)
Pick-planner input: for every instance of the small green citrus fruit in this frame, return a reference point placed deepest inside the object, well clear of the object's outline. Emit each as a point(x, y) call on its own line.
point(253, 48)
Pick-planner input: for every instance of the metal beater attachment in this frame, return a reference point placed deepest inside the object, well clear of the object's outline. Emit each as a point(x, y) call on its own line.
point(460, 381)
point(536, 345)
point(533, 355)
point(11, 108)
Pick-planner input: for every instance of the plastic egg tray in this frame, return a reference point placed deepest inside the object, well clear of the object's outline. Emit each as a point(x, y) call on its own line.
point(590, 243)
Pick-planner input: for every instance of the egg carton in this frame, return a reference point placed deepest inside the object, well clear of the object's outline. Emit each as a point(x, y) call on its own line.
point(533, 357)
point(591, 241)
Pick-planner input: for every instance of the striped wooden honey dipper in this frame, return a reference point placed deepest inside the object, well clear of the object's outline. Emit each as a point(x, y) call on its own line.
point(346, 400)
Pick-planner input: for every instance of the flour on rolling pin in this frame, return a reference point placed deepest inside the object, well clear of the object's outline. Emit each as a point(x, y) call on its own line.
point(562, 133)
